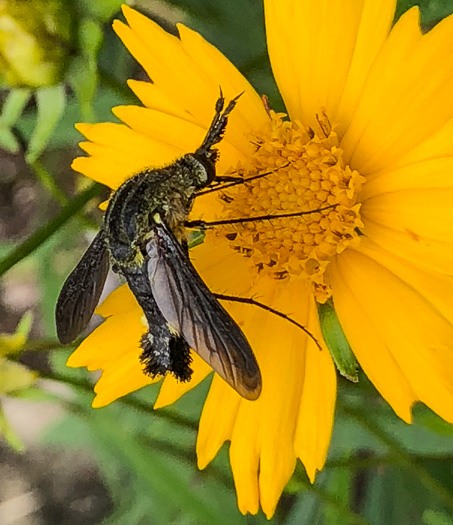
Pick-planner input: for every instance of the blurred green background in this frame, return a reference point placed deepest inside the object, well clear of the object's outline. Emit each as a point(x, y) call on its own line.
point(62, 462)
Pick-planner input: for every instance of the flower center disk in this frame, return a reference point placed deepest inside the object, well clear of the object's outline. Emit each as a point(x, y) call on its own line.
point(307, 174)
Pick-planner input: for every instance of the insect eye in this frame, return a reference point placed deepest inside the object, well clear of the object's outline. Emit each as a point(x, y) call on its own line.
point(210, 169)
point(206, 172)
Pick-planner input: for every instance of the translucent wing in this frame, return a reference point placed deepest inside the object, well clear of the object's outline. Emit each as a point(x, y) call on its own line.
point(191, 310)
point(81, 291)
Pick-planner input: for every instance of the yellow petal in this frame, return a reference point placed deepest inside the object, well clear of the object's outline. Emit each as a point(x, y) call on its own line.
point(119, 301)
point(397, 97)
point(155, 49)
point(434, 287)
point(177, 133)
point(125, 377)
point(429, 252)
point(219, 69)
point(438, 144)
point(111, 340)
point(408, 211)
point(153, 97)
point(122, 139)
point(117, 152)
point(216, 425)
point(317, 406)
point(417, 336)
point(423, 214)
point(423, 175)
point(172, 389)
point(102, 170)
point(375, 22)
point(369, 345)
point(320, 50)
point(263, 434)
point(222, 269)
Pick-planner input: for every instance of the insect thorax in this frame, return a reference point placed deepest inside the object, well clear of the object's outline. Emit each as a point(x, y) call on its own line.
point(168, 191)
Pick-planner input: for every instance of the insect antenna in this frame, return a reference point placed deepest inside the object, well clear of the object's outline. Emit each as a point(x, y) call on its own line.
point(253, 302)
point(204, 224)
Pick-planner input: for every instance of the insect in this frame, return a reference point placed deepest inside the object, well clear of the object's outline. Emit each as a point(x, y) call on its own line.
point(143, 238)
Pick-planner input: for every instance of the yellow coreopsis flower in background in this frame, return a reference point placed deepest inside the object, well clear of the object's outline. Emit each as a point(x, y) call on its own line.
point(370, 130)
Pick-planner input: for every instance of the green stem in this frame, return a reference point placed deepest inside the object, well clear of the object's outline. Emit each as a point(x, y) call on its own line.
point(41, 236)
point(45, 345)
point(132, 402)
point(404, 458)
point(48, 182)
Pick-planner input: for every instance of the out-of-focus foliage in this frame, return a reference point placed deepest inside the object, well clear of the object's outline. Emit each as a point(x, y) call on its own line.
point(14, 377)
point(69, 66)
point(35, 41)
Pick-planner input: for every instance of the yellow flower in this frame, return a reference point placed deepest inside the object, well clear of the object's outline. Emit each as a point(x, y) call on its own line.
point(370, 130)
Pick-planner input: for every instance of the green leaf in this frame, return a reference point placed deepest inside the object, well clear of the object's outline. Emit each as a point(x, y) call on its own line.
point(432, 421)
point(431, 11)
point(90, 38)
point(14, 343)
point(337, 343)
point(83, 78)
point(12, 109)
point(14, 376)
point(9, 434)
point(102, 9)
point(196, 237)
point(431, 517)
point(165, 480)
point(8, 141)
point(338, 484)
point(83, 71)
point(13, 106)
point(51, 104)
point(305, 510)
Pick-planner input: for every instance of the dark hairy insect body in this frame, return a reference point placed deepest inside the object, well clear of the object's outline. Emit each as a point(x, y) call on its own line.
point(167, 195)
point(168, 191)
point(143, 236)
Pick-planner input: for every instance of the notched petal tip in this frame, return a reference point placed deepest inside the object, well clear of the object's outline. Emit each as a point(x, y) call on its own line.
point(98, 402)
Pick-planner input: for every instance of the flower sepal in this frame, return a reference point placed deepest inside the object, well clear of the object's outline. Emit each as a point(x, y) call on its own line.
point(337, 343)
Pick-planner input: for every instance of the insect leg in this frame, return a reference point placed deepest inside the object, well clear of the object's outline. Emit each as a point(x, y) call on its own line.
point(239, 180)
point(204, 224)
point(253, 302)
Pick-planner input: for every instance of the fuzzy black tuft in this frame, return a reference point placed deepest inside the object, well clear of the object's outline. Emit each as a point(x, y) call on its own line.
point(154, 363)
point(174, 358)
point(180, 359)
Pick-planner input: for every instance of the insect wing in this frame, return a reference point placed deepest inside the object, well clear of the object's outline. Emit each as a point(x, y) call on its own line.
point(81, 291)
point(190, 308)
